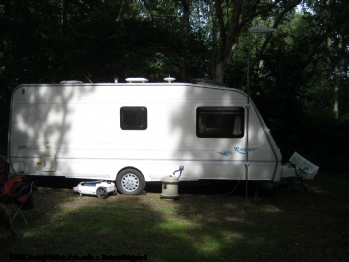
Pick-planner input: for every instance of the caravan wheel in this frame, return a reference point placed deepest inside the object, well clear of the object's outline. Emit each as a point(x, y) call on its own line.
point(130, 182)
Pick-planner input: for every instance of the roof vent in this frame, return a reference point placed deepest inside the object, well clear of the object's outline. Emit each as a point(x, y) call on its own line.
point(136, 80)
point(169, 79)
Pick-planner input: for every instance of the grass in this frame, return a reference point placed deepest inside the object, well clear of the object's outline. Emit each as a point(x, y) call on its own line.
point(201, 226)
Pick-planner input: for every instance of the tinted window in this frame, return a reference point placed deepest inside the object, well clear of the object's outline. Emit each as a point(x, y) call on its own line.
point(133, 118)
point(220, 122)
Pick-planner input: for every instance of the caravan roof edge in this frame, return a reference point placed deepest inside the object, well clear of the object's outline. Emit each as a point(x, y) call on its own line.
point(199, 85)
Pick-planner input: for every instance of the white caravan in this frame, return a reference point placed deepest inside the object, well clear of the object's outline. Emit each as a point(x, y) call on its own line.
point(135, 133)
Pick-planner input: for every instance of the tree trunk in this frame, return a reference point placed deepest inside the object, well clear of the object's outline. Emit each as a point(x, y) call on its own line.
point(63, 17)
point(336, 91)
point(218, 72)
point(118, 19)
point(334, 46)
point(185, 39)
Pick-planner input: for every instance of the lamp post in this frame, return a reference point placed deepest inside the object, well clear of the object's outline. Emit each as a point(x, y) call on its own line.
point(252, 30)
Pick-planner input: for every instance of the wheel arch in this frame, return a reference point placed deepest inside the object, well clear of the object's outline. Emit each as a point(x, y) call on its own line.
point(146, 179)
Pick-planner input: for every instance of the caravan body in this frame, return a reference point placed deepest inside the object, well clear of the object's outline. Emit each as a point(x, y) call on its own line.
point(135, 133)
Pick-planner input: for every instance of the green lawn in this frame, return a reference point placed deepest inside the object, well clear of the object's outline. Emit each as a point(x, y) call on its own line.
point(287, 226)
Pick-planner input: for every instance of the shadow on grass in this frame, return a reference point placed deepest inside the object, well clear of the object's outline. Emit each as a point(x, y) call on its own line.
point(199, 227)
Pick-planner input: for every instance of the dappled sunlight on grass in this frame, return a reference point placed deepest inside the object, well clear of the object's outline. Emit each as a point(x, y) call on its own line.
point(175, 223)
point(232, 236)
point(233, 219)
point(212, 226)
point(270, 209)
point(197, 227)
point(209, 244)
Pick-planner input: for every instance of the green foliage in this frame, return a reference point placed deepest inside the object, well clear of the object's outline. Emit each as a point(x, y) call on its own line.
point(292, 81)
point(292, 86)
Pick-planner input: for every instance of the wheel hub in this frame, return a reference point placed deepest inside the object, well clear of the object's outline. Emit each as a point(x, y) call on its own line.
point(130, 182)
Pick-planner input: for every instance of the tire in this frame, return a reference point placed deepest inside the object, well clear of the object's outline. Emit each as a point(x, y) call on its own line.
point(130, 182)
point(101, 192)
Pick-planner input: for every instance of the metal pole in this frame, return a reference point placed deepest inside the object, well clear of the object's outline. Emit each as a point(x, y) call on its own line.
point(252, 30)
point(248, 110)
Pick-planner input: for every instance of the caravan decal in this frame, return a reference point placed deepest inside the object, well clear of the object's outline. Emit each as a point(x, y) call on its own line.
point(224, 153)
point(242, 150)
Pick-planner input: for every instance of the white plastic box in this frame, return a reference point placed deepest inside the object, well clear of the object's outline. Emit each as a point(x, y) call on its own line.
point(304, 167)
point(101, 189)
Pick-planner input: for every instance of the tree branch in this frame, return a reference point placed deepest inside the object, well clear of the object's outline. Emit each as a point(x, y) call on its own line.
point(277, 21)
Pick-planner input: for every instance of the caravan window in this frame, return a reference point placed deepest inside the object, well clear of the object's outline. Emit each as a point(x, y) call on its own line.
point(219, 122)
point(133, 118)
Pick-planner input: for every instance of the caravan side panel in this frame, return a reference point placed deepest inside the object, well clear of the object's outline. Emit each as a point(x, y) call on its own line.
point(96, 130)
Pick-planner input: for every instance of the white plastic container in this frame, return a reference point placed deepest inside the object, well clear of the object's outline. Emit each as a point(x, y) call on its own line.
point(101, 189)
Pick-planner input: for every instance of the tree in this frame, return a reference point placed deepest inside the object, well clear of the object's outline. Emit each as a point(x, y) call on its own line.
point(229, 19)
point(332, 23)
